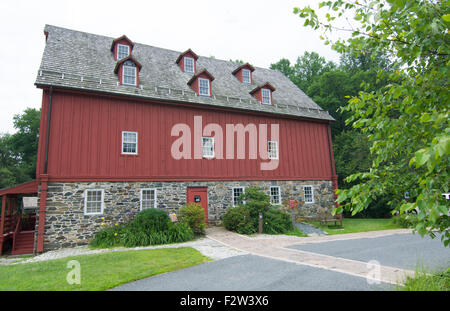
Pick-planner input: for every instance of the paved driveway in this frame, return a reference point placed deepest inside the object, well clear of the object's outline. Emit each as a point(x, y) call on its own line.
point(291, 263)
point(250, 272)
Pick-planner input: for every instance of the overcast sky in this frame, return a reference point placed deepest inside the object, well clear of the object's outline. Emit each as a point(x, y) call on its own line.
point(256, 31)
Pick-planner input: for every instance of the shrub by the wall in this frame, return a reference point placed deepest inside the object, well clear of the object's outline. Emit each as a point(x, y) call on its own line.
point(238, 219)
point(150, 227)
point(193, 215)
point(276, 221)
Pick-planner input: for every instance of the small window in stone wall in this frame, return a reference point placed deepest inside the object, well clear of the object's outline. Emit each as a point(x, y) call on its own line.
point(237, 191)
point(275, 195)
point(148, 198)
point(93, 202)
point(309, 194)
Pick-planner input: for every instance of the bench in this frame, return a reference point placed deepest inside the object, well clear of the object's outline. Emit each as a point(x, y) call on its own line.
point(327, 219)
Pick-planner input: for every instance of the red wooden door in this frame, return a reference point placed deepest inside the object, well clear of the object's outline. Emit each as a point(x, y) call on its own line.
point(198, 195)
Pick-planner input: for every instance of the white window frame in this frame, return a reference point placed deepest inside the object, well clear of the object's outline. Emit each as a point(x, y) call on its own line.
point(118, 48)
point(249, 76)
point(233, 197)
point(199, 88)
point(269, 96)
point(312, 194)
point(269, 144)
point(148, 189)
point(279, 195)
point(86, 201)
point(213, 147)
point(193, 64)
point(129, 132)
point(134, 75)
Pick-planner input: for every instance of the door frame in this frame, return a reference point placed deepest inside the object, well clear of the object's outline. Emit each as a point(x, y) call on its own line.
point(199, 189)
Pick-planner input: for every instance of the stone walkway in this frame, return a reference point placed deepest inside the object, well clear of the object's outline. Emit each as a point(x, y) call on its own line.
point(275, 247)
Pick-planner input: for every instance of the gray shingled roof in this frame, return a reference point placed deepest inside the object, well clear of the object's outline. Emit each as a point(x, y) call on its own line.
point(79, 60)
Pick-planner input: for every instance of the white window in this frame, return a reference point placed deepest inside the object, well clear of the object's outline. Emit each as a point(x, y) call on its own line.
point(208, 147)
point(122, 51)
point(266, 97)
point(129, 142)
point(148, 198)
point(129, 73)
point(203, 87)
point(188, 64)
point(309, 194)
point(275, 195)
point(237, 191)
point(93, 201)
point(272, 149)
point(246, 76)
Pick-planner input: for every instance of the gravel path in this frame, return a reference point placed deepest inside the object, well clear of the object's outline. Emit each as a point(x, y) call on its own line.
point(207, 247)
point(309, 230)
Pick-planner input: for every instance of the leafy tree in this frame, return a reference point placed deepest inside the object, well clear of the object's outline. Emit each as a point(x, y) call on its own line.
point(407, 122)
point(18, 151)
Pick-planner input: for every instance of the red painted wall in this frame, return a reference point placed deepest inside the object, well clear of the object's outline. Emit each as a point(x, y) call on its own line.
point(86, 132)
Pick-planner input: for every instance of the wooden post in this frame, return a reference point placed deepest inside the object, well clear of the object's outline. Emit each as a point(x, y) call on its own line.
point(2, 222)
point(260, 229)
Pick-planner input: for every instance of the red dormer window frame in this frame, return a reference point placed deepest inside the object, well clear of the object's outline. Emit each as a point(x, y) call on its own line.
point(238, 72)
point(123, 40)
point(257, 93)
point(194, 82)
point(187, 54)
point(119, 70)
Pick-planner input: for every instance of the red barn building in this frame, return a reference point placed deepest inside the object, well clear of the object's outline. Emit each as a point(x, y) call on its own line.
point(127, 126)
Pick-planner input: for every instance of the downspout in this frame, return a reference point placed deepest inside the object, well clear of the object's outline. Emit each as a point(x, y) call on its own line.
point(43, 182)
point(334, 177)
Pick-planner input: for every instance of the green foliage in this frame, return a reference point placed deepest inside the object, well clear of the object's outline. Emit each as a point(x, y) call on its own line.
point(407, 121)
point(244, 218)
point(276, 221)
point(238, 219)
point(18, 152)
point(406, 220)
point(193, 215)
point(423, 281)
point(150, 227)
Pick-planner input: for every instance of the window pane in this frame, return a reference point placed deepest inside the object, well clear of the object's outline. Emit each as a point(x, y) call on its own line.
point(246, 76)
point(309, 198)
point(188, 64)
point(236, 193)
point(272, 149)
point(129, 75)
point(275, 195)
point(265, 96)
point(203, 86)
point(148, 198)
point(122, 51)
point(93, 201)
point(208, 147)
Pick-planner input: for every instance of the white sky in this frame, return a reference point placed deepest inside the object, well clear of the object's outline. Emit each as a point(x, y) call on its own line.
point(260, 32)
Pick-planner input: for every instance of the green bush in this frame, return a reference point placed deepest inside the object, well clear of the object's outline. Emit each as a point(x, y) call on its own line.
point(193, 215)
point(245, 217)
point(238, 219)
point(152, 219)
point(406, 220)
point(276, 221)
point(150, 227)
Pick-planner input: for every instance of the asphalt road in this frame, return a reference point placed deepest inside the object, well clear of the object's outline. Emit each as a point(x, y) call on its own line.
point(251, 272)
point(406, 251)
point(254, 273)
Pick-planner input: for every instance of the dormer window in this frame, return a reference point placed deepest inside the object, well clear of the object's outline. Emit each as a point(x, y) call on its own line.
point(122, 51)
point(122, 48)
point(263, 93)
point(244, 73)
point(187, 61)
point(189, 64)
point(201, 83)
point(203, 87)
point(266, 98)
point(129, 73)
point(246, 76)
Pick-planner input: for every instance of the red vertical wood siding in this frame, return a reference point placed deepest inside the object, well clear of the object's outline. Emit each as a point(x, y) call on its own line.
point(86, 137)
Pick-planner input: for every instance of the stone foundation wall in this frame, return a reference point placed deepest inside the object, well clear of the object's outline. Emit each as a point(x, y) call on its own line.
point(67, 226)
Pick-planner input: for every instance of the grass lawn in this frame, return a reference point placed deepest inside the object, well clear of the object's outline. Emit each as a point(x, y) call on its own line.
point(428, 282)
point(98, 271)
point(352, 225)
